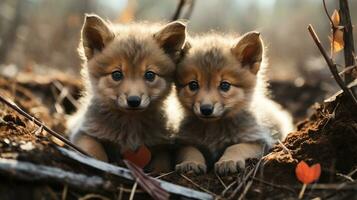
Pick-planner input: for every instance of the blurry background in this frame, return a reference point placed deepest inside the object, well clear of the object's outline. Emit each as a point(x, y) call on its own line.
point(38, 35)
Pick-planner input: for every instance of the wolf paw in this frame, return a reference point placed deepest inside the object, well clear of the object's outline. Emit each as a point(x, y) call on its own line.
point(187, 166)
point(224, 167)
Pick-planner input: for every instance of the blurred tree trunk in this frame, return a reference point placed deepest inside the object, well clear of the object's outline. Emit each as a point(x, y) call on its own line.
point(349, 49)
point(9, 35)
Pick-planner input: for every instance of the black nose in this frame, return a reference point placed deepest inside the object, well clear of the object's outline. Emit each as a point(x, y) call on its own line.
point(206, 109)
point(133, 101)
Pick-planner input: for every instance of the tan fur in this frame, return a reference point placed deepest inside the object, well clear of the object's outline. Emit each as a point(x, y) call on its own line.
point(132, 49)
point(239, 127)
point(190, 159)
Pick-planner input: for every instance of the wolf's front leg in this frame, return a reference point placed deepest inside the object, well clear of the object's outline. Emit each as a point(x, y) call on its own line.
point(190, 159)
point(234, 157)
point(90, 145)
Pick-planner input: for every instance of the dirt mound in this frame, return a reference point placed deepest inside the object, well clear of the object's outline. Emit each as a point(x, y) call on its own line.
point(328, 137)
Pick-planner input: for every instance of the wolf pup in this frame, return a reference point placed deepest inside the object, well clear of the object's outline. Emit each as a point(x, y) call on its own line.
point(228, 118)
point(128, 71)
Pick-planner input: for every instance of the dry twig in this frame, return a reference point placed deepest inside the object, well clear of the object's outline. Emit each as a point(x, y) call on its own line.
point(331, 65)
point(197, 185)
point(274, 185)
point(221, 181)
point(180, 7)
point(178, 10)
point(133, 191)
point(41, 124)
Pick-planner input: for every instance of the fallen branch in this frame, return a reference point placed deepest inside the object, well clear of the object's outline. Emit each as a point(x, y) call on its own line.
point(331, 65)
point(32, 172)
point(126, 175)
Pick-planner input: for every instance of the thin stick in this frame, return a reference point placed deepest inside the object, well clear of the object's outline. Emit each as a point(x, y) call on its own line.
point(349, 49)
point(302, 191)
point(163, 175)
point(331, 64)
point(120, 195)
point(352, 173)
point(246, 189)
point(333, 30)
point(326, 11)
point(251, 173)
point(133, 191)
point(245, 179)
point(40, 124)
point(347, 69)
point(93, 196)
point(190, 9)
point(228, 187)
point(198, 186)
point(221, 181)
point(284, 147)
point(178, 10)
point(348, 178)
point(64, 192)
point(274, 185)
point(70, 98)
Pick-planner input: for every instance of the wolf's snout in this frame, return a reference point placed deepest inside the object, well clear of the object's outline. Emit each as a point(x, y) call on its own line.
point(133, 101)
point(206, 109)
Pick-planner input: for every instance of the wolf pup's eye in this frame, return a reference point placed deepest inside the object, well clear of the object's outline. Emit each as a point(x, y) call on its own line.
point(225, 86)
point(149, 76)
point(193, 85)
point(117, 75)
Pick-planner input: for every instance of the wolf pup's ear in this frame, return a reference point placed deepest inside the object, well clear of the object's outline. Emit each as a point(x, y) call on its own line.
point(249, 51)
point(172, 38)
point(96, 34)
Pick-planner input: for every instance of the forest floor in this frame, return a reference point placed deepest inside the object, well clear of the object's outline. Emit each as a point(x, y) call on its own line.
point(327, 136)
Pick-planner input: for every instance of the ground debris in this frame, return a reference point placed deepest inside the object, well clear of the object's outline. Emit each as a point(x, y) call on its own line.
point(328, 136)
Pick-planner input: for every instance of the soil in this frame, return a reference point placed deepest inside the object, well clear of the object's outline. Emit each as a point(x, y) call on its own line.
point(328, 137)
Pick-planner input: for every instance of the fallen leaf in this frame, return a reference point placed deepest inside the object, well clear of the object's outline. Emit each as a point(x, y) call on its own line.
point(306, 174)
point(335, 18)
point(337, 42)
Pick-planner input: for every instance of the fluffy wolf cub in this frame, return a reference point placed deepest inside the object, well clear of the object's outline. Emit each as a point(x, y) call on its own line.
point(228, 118)
point(128, 71)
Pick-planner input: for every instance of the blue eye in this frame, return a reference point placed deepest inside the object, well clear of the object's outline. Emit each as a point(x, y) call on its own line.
point(149, 76)
point(117, 75)
point(193, 85)
point(225, 86)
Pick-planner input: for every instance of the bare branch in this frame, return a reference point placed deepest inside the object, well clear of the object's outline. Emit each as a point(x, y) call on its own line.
point(349, 49)
point(326, 11)
point(178, 10)
point(33, 172)
point(331, 65)
point(190, 9)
